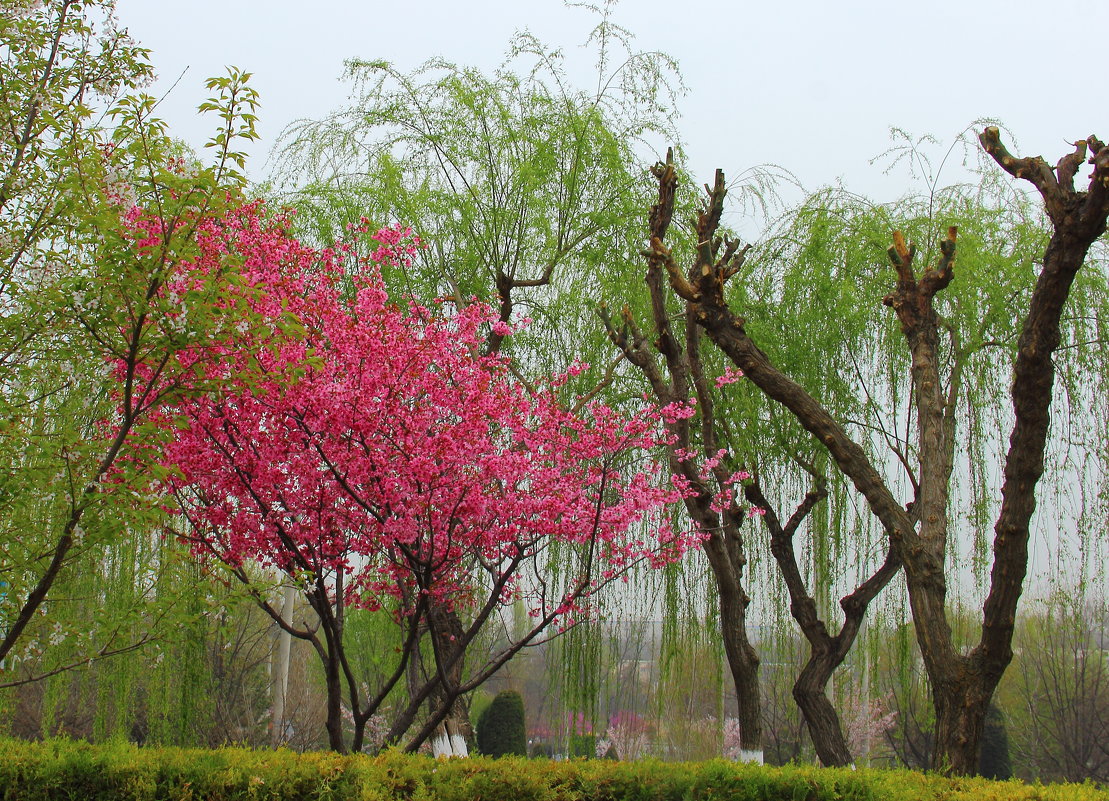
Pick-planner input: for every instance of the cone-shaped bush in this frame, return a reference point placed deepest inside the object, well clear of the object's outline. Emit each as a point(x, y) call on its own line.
point(500, 729)
point(994, 762)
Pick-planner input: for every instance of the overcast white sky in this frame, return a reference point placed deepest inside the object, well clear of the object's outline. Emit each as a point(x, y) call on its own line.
point(811, 85)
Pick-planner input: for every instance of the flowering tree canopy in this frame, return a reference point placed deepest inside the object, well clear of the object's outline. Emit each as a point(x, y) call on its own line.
point(369, 452)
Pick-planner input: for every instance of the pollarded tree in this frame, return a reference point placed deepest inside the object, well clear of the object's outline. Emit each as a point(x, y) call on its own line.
point(377, 459)
point(815, 273)
point(962, 683)
point(707, 452)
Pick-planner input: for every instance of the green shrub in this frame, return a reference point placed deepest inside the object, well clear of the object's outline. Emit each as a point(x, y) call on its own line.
point(500, 728)
point(63, 769)
point(583, 745)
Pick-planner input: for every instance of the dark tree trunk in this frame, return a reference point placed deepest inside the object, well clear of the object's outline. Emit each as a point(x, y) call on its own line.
point(809, 691)
point(681, 382)
point(329, 652)
point(826, 652)
point(334, 721)
point(743, 661)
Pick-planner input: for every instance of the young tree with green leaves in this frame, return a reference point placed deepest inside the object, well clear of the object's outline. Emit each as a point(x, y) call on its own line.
point(99, 211)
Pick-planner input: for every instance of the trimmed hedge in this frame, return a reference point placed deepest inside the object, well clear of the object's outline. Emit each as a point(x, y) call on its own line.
point(72, 770)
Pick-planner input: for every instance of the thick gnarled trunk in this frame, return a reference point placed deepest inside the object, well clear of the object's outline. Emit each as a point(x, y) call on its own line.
point(826, 652)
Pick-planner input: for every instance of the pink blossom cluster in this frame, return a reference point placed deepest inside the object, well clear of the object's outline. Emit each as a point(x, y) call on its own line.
point(865, 723)
point(579, 723)
point(358, 433)
point(729, 376)
point(732, 744)
point(629, 733)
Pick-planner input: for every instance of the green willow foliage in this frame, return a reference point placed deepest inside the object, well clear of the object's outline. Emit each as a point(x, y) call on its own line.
point(518, 182)
point(812, 293)
point(57, 75)
point(104, 625)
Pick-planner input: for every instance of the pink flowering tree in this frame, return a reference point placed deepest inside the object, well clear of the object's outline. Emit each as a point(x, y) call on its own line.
point(867, 722)
point(372, 455)
point(629, 734)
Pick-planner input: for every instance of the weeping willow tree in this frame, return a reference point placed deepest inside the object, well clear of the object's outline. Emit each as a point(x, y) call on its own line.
point(520, 183)
point(947, 339)
point(99, 210)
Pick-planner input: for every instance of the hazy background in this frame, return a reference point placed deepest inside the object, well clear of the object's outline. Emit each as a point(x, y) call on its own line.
point(812, 86)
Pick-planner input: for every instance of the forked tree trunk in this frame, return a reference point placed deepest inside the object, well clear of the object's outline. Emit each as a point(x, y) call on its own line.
point(826, 652)
point(810, 693)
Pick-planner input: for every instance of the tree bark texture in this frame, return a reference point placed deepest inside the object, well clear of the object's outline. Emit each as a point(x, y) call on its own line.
point(447, 633)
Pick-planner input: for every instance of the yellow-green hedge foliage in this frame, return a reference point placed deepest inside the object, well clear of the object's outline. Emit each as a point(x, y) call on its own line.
point(63, 769)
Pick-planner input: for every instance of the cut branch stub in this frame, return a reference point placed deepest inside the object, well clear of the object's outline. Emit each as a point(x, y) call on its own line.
point(735, 263)
point(938, 277)
point(1068, 166)
point(1057, 187)
point(663, 211)
point(901, 255)
point(1096, 204)
point(1033, 168)
point(681, 285)
point(709, 220)
point(912, 299)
